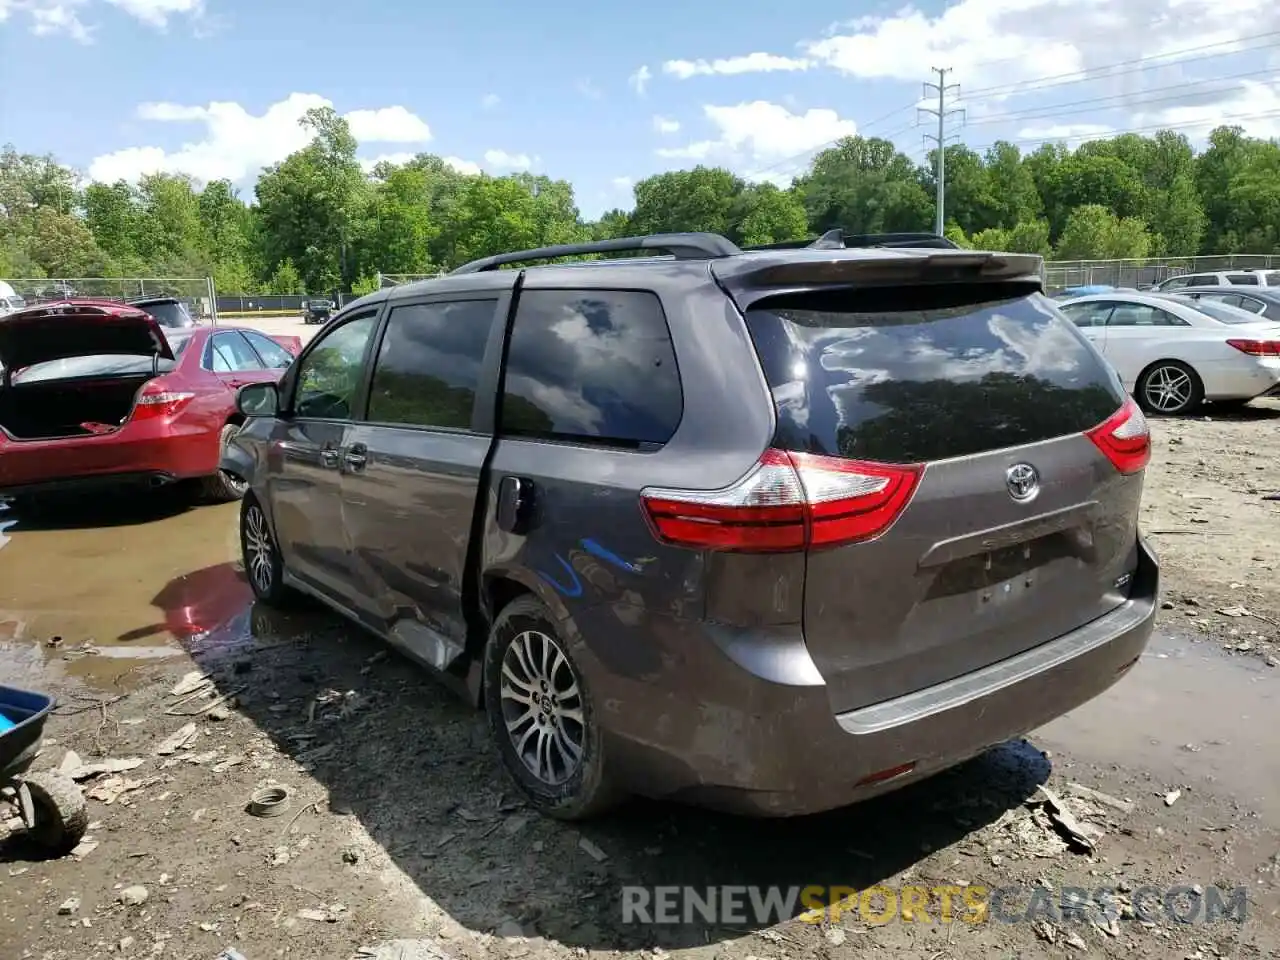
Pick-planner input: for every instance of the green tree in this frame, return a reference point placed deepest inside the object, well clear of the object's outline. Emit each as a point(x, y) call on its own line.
point(285, 279)
point(1093, 232)
point(701, 199)
point(762, 213)
point(864, 185)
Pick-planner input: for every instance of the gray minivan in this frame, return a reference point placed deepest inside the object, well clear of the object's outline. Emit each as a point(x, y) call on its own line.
point(767, 530)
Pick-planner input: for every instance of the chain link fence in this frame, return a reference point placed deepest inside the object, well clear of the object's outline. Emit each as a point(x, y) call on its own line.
point(231, 305)
point(197, 293)
point(1062, 274)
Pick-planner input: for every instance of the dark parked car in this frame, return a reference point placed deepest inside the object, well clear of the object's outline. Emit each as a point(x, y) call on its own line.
point(767, 530)
point(1264, 301)
point(316, 310)
point(169, 312)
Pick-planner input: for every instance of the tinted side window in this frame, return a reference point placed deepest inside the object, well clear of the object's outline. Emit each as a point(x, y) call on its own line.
point(274, 355)
point(1243, 279)
point(1088, 314)
point(1177, 283)
point(1202, 280)
point(230, 352)
point(594, 365)
point(904, 375)
point(429, 363)
point(1141, 315)
point(330, 373)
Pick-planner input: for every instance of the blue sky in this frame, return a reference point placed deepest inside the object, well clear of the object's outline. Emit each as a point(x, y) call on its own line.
point(213, 87)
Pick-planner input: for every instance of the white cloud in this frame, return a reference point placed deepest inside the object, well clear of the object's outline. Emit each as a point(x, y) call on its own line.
point(589, 89)
point(388, 125)
point(237, 144)
point(462, 166)
point(1252, 105)
point(157, 12)
point(639, 80)
point(666, 125)
point(395, 159)
point(50, 18)
point(501, 160)
point(760, 131)
point(730, 66)
point(490, 100)
point(623, 183)
point(1066, 131)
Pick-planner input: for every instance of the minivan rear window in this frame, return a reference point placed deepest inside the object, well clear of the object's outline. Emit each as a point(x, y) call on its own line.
point(926, 373)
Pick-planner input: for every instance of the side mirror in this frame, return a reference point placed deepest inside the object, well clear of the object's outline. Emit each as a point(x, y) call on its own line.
point(258, 400)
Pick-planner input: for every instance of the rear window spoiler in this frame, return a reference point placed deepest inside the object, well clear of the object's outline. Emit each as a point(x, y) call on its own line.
point(751, 277)
point(837, 239)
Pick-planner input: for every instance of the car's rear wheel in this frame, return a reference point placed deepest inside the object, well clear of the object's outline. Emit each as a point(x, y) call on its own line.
point(1169, 387)
point(263, 565)
point(542, 717)
point(223, 487)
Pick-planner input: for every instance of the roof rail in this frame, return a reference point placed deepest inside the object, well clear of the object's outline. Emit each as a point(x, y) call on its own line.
point(682, 246)
point(837, 239)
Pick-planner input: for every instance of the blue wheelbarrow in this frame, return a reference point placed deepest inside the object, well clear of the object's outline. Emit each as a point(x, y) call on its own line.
point(51, 806)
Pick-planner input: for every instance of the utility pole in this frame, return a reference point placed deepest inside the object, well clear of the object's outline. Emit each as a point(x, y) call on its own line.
point(942, 89)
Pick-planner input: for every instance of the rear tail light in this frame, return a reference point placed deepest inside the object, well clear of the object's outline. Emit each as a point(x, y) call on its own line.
point(156, 400)
point(786, 502)
point(1257, 348)
point(1125, 438)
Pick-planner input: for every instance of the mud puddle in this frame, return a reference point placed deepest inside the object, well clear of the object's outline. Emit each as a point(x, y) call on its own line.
point(1190, 714)
point(85, 586)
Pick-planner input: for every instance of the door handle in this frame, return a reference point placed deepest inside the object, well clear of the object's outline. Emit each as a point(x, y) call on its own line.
point(515, 504)
point(329, 458)
point(356, 456)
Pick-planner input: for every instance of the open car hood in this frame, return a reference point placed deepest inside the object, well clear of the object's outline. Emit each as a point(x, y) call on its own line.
point(55, 331)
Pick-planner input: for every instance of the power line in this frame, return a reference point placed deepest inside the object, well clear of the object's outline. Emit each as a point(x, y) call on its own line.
point(1136, 65)
point(942, 114)
point(1225, 120)
point(1123, 100)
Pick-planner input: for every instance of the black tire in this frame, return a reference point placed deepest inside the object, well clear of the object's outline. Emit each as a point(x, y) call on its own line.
point(26, 506)
point(61, 815)
point(582, 788)
point(263, 565)
point(223, 487)
point(1169, 388)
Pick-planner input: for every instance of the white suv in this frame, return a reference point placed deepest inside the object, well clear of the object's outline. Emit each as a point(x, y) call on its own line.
point(1250, 278)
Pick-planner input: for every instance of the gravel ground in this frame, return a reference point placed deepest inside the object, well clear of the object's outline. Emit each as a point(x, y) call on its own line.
point(402, 825)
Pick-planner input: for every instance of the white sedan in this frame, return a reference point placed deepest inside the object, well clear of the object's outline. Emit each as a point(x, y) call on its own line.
point(1174, 353)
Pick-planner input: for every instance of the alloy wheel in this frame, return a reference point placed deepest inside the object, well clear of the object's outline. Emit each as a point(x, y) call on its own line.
point(258, 548)
point(542, 707)
point(1168, 389)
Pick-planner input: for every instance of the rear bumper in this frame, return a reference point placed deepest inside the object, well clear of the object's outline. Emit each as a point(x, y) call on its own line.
point(710, 731)
point(1247, 377)
point(137, 453)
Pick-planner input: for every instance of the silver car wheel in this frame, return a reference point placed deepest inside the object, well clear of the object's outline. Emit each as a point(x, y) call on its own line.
point(1168, 389)
point(258, 549)
point(542, 707)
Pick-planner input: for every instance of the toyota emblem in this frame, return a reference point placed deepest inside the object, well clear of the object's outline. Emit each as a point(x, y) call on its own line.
point(1023, 482)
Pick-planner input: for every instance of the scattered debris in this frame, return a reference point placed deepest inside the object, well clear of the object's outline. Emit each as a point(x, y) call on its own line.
point(184, 737)
point(1097, 796)
point(330, 914)
point(1171, 797)
point(87, 771)
point(69, 906)
point(591, 850)
point(1065, 822)
point(134, 896)
point(192, 682)
point(268, 802)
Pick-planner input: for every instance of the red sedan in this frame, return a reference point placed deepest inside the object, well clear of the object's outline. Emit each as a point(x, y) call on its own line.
point(95, 392)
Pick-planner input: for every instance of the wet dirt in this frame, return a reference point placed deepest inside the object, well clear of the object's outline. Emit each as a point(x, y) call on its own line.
point(402, 824)
point(90, 586)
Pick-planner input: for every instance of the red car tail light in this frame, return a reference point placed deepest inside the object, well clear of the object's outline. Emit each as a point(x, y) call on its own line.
point(786, 502)
point(1257, 348)
point(155, 400)
point(1125, 438)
